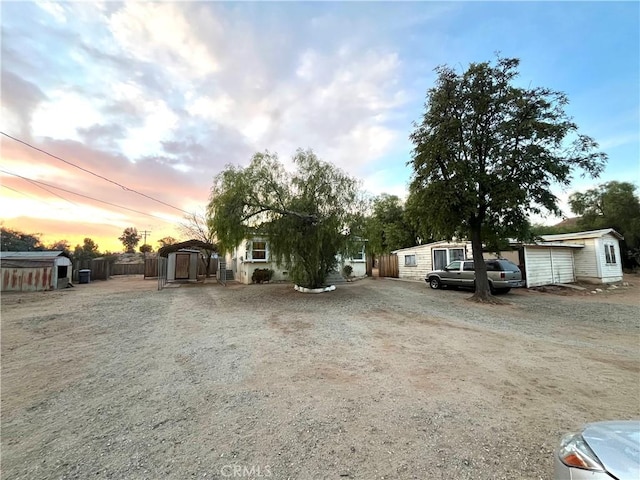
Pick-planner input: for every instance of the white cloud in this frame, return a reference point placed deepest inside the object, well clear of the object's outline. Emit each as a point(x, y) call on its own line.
point(63, 114)
point(159, 33)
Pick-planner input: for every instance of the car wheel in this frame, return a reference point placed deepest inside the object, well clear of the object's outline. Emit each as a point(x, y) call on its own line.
point(491, 289)
point(434, 282)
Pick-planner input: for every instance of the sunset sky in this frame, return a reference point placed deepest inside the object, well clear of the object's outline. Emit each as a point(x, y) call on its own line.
point(158, 97)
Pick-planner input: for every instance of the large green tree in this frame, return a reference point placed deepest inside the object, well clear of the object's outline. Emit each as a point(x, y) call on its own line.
point(487, 153)
point(387, 227)
point(308, 215)
point(17, 241)
point(612, 205)
point(130, 239)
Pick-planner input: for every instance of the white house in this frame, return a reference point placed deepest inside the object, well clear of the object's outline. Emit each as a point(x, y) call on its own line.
point(592, 256)
point(598, 260)
point(415, 262)
point(254, 253)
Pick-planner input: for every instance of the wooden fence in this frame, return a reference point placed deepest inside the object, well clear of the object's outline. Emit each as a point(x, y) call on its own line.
point(127, 269)
point(100, 268)
point(151, 267)
point(388, 266)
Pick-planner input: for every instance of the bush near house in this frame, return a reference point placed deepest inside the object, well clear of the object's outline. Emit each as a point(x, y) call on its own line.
point(347, 270)
point(261, 275)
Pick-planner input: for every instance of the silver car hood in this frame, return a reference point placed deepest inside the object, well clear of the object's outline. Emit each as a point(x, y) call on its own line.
point(617, 445)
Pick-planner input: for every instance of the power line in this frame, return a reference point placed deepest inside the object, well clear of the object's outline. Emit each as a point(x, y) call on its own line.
point(84, 196)
point(47, 190)
point(36, 198)
point(92, 173)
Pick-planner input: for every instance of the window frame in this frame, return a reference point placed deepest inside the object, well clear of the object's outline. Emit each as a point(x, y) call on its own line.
point(610, 254)
point(407, 263)
point(250, 253)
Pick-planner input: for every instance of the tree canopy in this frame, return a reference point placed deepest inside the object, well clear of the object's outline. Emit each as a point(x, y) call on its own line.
point(612, 205)
point(88, 250)
point(486, 154)
point(130, 239)
point(308, 216)
point(387, 227)
point(16, 241)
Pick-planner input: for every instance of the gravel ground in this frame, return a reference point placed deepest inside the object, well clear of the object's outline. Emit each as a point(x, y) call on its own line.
point(379, 379)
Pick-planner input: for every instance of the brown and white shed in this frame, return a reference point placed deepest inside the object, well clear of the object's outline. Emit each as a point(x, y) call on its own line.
point(34, 271)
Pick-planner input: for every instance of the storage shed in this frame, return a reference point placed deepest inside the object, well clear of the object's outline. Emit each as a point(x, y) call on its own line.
point(34, 271)
point(546, 263)
point(598, 260)
point(182, 265)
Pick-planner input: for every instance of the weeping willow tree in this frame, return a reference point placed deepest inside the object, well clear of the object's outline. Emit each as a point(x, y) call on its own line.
point(309, 216)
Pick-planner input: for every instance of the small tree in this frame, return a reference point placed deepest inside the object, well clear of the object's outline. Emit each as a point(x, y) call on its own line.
point(486, 154)
point(146, 248)
point(130, 239)
point(61, 245)
point(164, 241)
point(308, 216)
point(196, 226)
point(86, 251)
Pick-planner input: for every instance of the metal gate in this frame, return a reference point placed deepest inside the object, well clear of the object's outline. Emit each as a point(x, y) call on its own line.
point(222, 272)
point(162, 272)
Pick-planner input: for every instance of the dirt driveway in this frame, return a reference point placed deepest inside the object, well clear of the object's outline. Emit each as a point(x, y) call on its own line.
point(379, 379)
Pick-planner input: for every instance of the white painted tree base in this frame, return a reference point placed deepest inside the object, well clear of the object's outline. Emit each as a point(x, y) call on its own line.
point(330, 288)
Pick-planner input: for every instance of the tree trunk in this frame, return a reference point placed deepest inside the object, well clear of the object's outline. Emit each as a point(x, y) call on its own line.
point(482, 293)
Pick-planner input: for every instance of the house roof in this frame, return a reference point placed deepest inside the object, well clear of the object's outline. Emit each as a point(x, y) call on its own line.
point(579, 235)
point(44, 255)
point(554, 245)
point(460, 243)
point(166, 250)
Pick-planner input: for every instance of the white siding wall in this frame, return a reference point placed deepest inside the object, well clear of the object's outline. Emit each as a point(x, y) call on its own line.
point(545, 266)
point(423, 263)
point(611, 272)
point(424, 258)
point(585, 260)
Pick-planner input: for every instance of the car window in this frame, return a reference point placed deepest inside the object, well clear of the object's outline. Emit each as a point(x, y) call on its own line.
point(508, 266)
point(493, 267)
point(453, 266)
point(468, 267)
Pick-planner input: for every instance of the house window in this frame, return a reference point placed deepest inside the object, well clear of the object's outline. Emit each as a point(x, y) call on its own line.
point(358, 256)
point(456, 254)
point(410, 261)
point(257, 251)
point(610, 253)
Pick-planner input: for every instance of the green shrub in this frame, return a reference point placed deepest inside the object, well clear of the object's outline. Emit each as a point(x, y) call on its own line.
point(347, 270)
point(261, 275)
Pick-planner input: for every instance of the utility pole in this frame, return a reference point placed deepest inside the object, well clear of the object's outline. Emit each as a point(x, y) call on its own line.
point(145, 233)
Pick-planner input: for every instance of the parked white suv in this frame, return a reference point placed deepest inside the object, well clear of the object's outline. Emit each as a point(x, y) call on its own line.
point(503, 275)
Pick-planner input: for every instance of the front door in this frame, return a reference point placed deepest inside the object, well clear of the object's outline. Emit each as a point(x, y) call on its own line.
point(182, 266)
point(439, 259)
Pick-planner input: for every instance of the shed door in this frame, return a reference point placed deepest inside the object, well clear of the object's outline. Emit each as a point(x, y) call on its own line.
point(182, 266)
point(545, 266)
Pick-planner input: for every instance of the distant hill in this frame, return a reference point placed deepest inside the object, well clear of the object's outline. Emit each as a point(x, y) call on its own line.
point(571, 222)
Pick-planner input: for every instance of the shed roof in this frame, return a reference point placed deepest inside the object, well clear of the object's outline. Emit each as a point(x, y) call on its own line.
point(579, 235)
point(43, 255)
